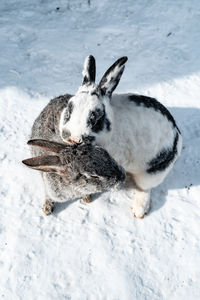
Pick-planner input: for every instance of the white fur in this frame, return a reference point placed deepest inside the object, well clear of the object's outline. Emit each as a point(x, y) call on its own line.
point(83, 104)
point(85, 71)
point(138, 134)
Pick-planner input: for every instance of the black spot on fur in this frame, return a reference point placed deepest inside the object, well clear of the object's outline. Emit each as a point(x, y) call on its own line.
point(154, 104)
point(94, 93)
point(108, 125)
point(96, 119)
point(70, 107)
point(88, 139)
point(114, 80)
point(103, 91)
point(163, 159)
point(85, 80)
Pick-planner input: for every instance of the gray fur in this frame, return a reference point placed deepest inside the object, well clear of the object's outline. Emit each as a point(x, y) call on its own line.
point(84, 169)
point(46, 126)
point(75, 171)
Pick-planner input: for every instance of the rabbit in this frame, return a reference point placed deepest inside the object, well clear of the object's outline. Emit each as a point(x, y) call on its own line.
point(149, 138)
point(150, 141)
point(73, 171)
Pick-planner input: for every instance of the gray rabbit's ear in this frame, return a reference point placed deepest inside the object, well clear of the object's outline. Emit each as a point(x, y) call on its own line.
point(89, 70)
point(47, 145)
point(112, 76)
point(49, 163)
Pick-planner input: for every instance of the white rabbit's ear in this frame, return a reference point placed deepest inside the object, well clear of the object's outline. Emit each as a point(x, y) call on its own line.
point(47, 145)
point(89, 70)
point(112, 76)
point(49, 163)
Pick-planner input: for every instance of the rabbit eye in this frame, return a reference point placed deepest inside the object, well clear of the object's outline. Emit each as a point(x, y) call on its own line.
point(67, 116)
point(95, 116)
point(93, 119)
point(96, 119)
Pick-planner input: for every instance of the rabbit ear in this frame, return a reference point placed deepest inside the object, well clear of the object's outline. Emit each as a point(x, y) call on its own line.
point(89, 70)
point(47, 145)
point(49, 163)
point(112, 76)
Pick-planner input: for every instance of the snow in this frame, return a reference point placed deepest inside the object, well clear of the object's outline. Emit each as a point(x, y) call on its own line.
point(98, 250)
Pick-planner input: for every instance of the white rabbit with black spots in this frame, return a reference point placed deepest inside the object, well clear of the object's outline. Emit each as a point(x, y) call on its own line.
point(138, 131)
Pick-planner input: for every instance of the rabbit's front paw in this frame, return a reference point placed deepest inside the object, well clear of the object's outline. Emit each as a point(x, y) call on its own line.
point(87, 199)
point(48, 207)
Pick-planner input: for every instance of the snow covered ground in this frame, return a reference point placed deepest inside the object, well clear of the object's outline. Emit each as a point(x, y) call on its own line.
point(99, 250)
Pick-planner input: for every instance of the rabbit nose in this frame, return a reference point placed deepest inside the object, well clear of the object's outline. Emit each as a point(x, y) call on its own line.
point(75, 141)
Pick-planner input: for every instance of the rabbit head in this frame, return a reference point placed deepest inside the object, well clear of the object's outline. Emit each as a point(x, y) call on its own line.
point(77, 163)
point(89, 113)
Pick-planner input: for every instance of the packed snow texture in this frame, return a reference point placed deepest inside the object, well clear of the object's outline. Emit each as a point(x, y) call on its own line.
point(98, 250)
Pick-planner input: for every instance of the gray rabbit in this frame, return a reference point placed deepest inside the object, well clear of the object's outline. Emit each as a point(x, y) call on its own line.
point(73, 171)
